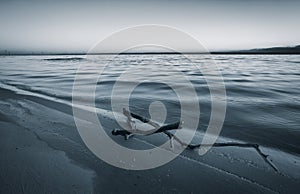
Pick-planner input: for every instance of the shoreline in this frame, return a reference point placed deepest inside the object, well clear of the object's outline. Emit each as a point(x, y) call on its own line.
point(65, 106)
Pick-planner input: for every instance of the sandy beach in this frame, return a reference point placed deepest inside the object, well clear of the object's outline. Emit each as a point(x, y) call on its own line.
point(42, 152)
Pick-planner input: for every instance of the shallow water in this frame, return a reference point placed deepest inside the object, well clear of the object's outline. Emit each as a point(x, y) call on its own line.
point(263, 91)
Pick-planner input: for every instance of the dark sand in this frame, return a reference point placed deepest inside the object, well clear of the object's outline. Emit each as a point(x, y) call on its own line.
point(42, 152)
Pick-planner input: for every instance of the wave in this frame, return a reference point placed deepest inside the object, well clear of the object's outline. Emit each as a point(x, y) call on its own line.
point(27, 90)
point(297, 62)
point(71, 59)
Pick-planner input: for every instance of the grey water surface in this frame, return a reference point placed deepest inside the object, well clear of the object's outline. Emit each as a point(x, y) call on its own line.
point(263, 91)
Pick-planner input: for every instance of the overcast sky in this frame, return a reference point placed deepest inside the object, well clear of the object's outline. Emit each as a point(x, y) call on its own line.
point(66, 25)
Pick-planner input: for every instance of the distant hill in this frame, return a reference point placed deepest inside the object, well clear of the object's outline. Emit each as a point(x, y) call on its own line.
point(272, 50)
point(278, 50)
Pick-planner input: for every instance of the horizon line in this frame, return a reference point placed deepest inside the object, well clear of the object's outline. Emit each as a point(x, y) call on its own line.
point(270, 50)
point(156, 53)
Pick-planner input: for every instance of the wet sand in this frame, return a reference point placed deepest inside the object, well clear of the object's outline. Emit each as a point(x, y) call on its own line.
point(42, 152)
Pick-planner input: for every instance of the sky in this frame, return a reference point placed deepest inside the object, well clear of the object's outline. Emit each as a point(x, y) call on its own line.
point(75, 25)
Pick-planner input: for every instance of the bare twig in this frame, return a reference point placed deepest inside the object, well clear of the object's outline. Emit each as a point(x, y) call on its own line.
point(227, 144)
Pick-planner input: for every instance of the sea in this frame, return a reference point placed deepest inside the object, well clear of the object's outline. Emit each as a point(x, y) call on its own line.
point(262, 91)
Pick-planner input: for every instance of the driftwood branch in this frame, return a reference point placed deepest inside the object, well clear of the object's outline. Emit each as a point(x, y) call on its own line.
point(178, 125)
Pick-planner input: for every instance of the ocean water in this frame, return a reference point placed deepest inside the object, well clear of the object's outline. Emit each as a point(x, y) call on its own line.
point(263, 91)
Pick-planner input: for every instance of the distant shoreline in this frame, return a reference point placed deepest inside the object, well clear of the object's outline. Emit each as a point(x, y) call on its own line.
point(263, 51)
point(152, 53)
